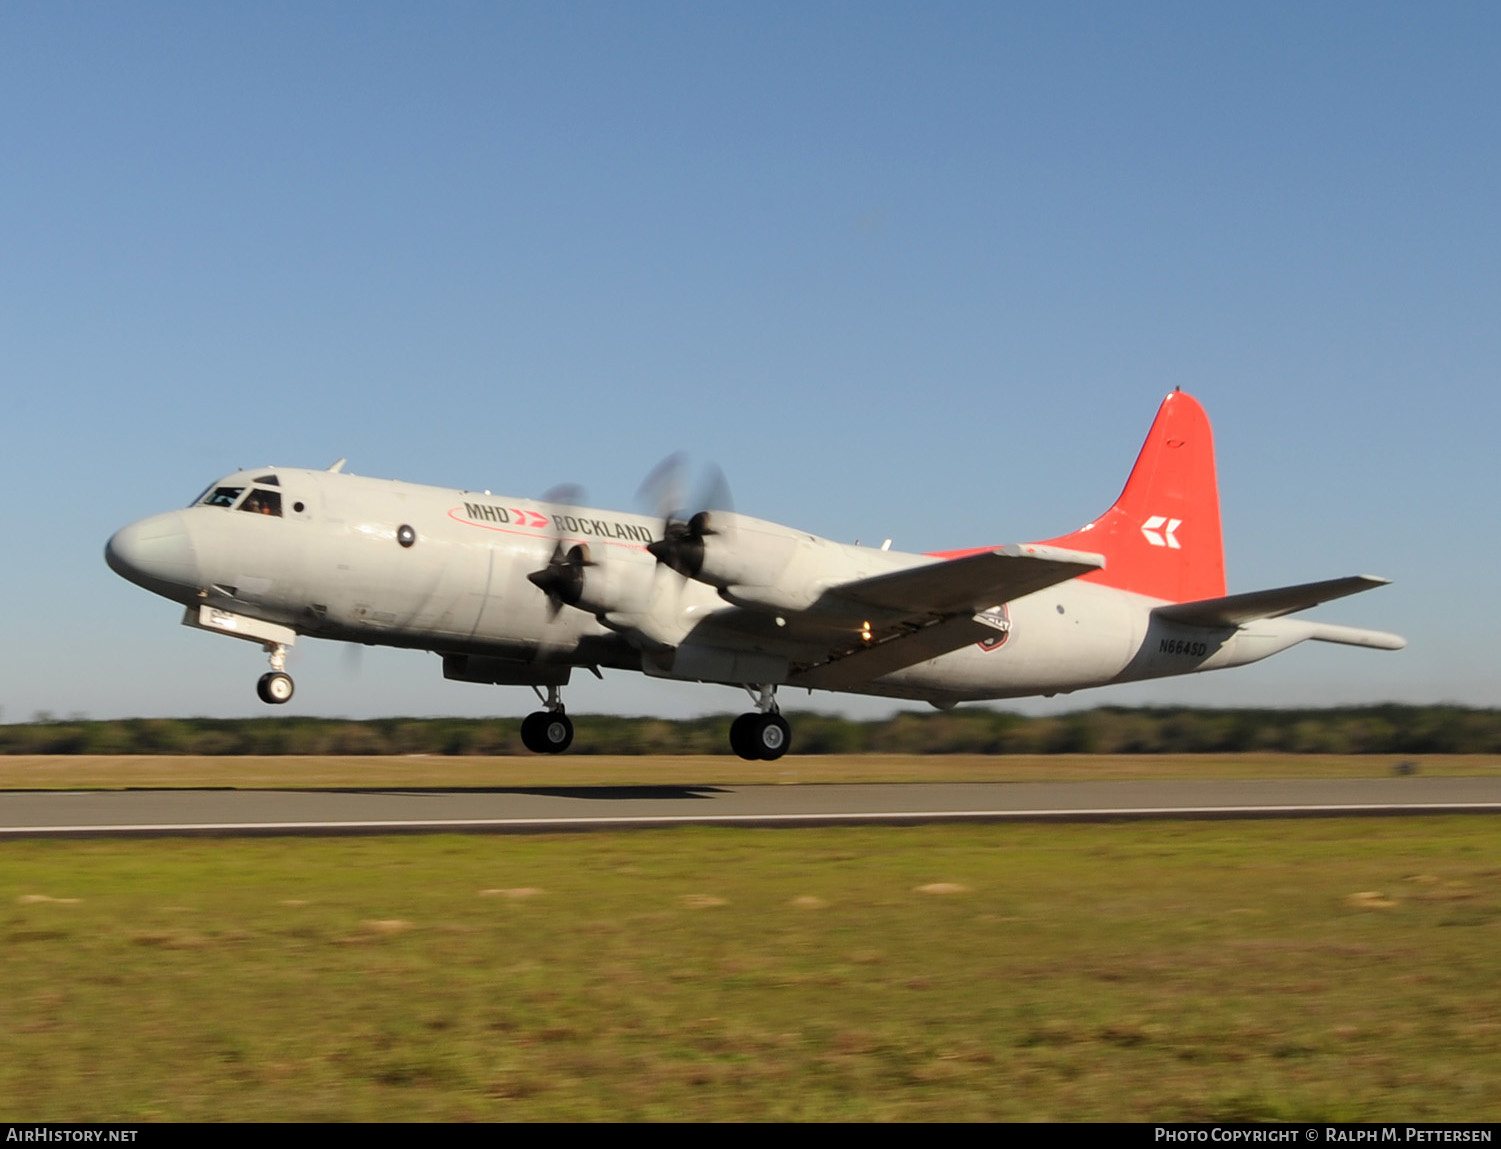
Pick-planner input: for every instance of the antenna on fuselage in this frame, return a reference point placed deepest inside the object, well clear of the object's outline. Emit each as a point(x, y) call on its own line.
point(339, 466)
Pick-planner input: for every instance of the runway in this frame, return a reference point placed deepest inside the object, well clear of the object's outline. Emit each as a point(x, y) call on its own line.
point(538, 809)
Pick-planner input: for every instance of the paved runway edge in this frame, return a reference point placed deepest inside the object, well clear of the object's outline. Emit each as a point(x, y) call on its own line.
point(761, 820)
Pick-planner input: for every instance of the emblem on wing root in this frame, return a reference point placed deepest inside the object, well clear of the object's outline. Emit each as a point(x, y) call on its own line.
point(999, 618)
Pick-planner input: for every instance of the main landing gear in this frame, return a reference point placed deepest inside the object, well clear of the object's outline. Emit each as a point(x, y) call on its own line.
point(275, 686)
point(761, 734)
point(548, 731)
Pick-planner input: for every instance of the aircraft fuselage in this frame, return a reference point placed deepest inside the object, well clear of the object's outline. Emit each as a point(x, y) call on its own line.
point(334, 565)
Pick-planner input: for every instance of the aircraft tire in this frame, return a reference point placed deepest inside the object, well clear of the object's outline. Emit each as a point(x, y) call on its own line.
point(547, 732)
point(741, 741)
point(274, 687)
point(770, 736)
point(529, 732)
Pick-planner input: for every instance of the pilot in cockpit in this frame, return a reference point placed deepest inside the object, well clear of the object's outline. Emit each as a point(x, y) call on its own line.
point(258, 502)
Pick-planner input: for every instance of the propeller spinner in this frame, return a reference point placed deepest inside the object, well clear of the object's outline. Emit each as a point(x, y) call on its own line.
point(681, 546)
point(562, 579)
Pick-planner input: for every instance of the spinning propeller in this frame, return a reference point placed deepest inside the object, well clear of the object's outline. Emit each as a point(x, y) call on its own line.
point(681, 547)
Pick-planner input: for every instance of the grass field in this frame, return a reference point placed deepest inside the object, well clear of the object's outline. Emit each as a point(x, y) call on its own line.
point(1302, 970)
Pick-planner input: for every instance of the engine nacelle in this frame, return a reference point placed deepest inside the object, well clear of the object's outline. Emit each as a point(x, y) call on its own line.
point(619, 581)
point(764, 565)
point(630, 594)
point(742, 551)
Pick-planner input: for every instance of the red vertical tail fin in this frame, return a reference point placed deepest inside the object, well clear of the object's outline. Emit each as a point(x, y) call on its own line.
point(1162, 537)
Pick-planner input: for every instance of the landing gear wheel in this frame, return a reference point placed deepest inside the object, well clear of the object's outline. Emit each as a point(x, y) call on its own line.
point(274, 687)
point(760, 737)
point(740, 736)
point(547, 732)
point(771, 737)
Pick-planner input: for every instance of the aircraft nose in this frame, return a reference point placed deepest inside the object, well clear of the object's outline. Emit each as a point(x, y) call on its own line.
point(155, 553)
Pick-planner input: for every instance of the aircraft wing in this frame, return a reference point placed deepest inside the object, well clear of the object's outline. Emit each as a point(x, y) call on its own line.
point(1232, 610)
point(930, 610)
point(974, 582)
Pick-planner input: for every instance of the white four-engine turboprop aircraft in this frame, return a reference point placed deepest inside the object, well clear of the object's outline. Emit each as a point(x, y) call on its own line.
point(520, 592)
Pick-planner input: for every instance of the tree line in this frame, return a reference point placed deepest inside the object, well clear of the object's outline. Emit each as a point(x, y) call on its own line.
point(1383, 729)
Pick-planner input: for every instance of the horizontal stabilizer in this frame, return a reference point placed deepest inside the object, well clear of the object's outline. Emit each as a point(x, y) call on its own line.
point(976, 582)
point(1356, 636)
point(1232, 610)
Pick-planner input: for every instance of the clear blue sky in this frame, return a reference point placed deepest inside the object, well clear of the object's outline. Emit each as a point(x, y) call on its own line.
point(919, 271)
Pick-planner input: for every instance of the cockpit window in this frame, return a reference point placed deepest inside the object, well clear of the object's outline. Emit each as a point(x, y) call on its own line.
point(222, 496)
point(271, 480)
point(262, 502)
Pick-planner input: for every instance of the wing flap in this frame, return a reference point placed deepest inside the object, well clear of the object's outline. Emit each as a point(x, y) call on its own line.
point(863, 664)
point(1235, 609)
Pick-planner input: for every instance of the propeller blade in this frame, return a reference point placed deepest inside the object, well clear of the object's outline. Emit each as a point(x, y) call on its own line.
point(564, 494)
point(661, 492)
point(714, 493)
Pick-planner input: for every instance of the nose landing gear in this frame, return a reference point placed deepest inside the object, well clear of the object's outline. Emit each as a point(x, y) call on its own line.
point(548, 731)
point(275, 686)
point(761, 735)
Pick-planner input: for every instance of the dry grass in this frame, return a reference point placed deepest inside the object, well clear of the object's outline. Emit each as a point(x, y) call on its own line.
point(113, 772)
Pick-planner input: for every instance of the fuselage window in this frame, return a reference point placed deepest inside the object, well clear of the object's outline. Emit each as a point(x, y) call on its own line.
point(261, 502)
point(222, 497)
